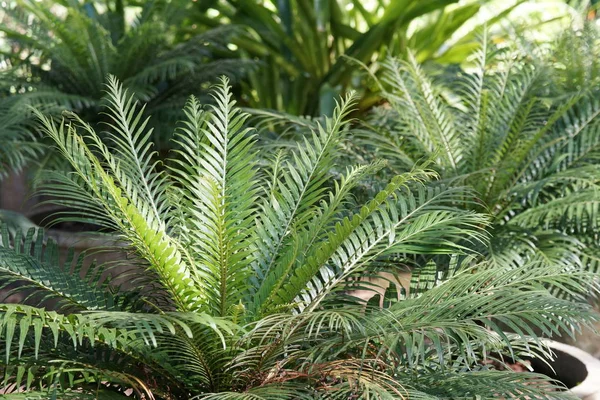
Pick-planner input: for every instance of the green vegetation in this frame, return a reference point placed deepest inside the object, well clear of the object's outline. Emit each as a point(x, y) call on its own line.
point(245, 270)
point(318, 199)
point(308, 50)
point(64, 60)
point(530, 161)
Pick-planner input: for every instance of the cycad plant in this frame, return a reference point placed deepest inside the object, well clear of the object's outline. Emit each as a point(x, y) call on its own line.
point(61, 52)
point(245, 275)
point(18, 142)
point(531, 161)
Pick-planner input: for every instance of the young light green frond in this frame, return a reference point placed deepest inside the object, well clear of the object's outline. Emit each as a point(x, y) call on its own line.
point(132, 149)
point(216, 175)
point(285, 277)
point(115, 196)
point(186, 166)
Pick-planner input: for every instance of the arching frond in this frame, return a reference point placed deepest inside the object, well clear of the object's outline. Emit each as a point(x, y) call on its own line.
point(258, 258)
point(115, 203)
point(295, 196)
point(497, 382)
point(429, 122)
point(32, 268)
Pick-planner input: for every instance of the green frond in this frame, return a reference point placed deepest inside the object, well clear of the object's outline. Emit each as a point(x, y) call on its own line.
point(527, 293)
point(430, 123)
point(310, 237)
point(299, 189)
point(576, 212)
point(461, 312)
point(115, 201)
point(55, 376)
point(407, 224)
point(216, 178)
point(132, 148)
point(500, 383)
point(30, 264)
point(115, 329)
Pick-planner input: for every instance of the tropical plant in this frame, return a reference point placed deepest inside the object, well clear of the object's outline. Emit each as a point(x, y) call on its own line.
point(16, 134)
point(61, 52)
point(244, 284)
point(306, 48)
point(574, 56)
point(531, 162)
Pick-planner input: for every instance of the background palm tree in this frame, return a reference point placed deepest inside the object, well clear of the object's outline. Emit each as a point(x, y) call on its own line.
point(305, 47)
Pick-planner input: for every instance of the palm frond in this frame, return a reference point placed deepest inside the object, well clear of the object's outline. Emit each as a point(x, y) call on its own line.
point(298, 190)
point(215, 167)
point(31, 265)
point(113, 201)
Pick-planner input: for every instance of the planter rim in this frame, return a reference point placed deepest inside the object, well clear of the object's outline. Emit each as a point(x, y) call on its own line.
point(84, 240)
point(77, 240)
point(590, 387)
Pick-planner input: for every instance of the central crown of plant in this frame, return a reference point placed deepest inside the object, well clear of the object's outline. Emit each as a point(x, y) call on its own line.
point(224, 235)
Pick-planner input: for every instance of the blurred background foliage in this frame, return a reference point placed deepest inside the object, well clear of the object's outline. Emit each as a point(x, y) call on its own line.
point(497, 98)
point(289, 56)
point(309, 51)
